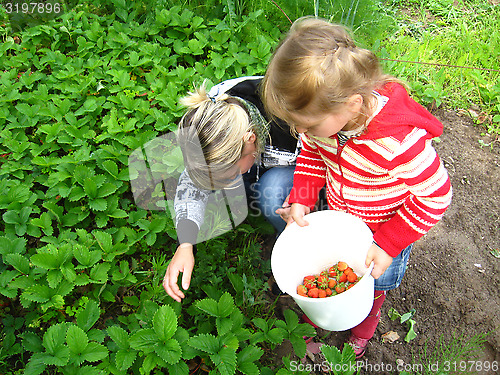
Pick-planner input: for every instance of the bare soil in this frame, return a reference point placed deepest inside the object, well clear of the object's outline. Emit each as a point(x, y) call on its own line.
point(453, 277)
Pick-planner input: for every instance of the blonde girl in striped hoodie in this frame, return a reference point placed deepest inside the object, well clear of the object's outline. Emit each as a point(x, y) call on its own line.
point(366, 139)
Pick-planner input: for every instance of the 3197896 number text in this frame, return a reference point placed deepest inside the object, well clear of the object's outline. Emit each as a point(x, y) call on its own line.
point(471, 366)
point(32, 8)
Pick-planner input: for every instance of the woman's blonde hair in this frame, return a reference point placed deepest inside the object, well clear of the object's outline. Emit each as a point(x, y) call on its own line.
point(220, 128)
point(316, 68)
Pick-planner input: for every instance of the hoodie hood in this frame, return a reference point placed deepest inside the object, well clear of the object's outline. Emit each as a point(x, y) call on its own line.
point(400, 115)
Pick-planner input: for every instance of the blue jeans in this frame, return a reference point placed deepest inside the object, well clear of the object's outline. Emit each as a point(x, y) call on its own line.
point(268, 193)
point(393, 275)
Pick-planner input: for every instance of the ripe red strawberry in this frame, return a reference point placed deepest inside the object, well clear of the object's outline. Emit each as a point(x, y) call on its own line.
point(322, 281)
point(313, 293)
point(332, 283)
point(339, 289)
point(341, 266)
point(322, 293)
point(343, 278)
point(310, 281)
point(332, 271)
point(302, 290)
point(348, 270)
point(352, 277)
point(328, 292)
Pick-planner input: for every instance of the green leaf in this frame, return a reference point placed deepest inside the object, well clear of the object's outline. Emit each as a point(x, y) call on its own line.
point(14, 246)
point(225, 361)
point(348, 356)
point(47, 261)
point(55, 337)
point(59, 358)
point(223, 325)
point(107, 189)
point(82, 173)
point(226, 305)
point(98, 204)
point(54, 277)
point(38, 293)
point(94, 352)
point(220, 309)
point(36, 364)
point(86, 257)
point(144, 339)
point(332, 354)
point(246, 358)
point(292, 321)
point(19, 262)
point(31, 342)
point(170, 351)
point(179, 368)
point(119, 336)
point(411, 332)
point(44, 222)
point(209, 306)
point(77, 340)
point(205, 342)
point(393, 314)
point(407, 316)
point(276, 335)
point(87, 317)
point(105, 240)
point(90, 188)
point(248, 368)
point(125, 358)
point(165, 322)
point(99, 273)
point(68, 271)
point(250, 353)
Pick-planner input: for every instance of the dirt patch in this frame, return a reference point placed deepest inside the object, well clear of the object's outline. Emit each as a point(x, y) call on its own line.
point(453, 279)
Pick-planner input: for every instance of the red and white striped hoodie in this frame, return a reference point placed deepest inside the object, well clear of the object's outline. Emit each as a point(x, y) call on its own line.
point(390, 176)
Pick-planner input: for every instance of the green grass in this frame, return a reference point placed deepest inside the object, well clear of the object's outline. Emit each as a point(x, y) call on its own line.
point(455, 354)
point(443, 33)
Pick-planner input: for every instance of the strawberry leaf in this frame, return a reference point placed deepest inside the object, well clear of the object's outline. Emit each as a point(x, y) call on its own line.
point(77, 341)
point(170, 351)
point(165, 323)
point(205, 342)
point(144, 339)
point(119, 336)
point(125, 358)
point(87, 317)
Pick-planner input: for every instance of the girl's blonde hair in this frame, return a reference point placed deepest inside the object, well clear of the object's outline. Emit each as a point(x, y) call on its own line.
point(316, 68)
point(220, 127)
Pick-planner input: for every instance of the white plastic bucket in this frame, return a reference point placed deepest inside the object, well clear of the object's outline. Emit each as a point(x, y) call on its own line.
point(331, 236)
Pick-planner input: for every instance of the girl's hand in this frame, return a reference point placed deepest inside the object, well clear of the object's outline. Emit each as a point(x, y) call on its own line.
point(297, 213)
point(284, 211)
point(380, 258)
point(182, 261)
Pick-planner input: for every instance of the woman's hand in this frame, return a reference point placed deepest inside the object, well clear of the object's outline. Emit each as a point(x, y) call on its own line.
point(297, 213)
point(380, 258)
point(182, 261)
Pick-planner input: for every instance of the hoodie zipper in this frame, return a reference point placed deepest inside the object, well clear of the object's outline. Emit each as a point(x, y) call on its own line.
point(341, 187)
